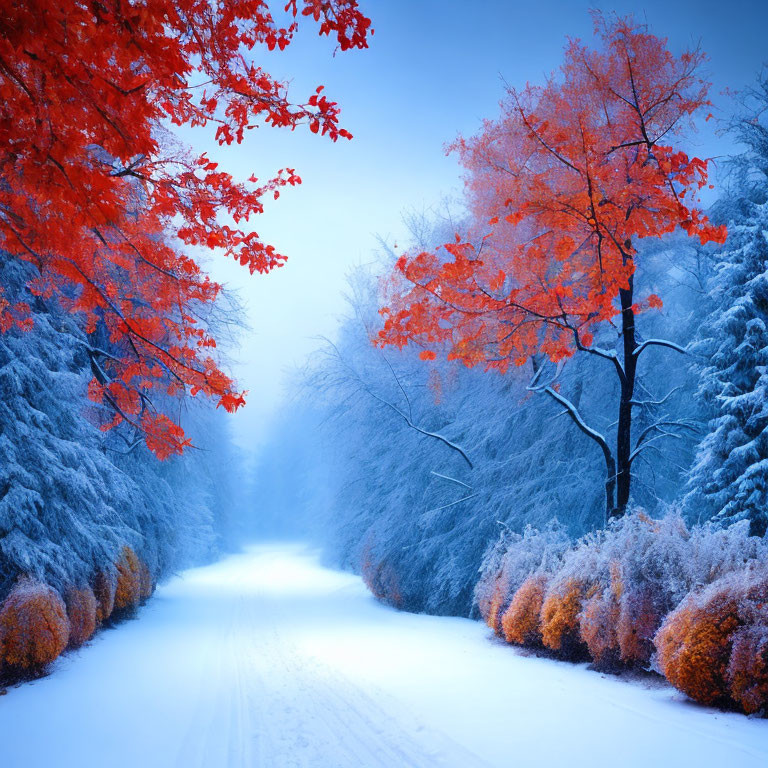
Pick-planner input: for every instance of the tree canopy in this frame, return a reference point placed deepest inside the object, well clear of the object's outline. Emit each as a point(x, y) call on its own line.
point(97, 194)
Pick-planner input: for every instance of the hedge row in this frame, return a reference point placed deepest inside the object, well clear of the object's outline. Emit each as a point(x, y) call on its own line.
point(37, 623)
point(691, 604)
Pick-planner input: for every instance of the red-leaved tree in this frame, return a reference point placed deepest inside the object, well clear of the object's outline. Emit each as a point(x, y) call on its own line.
point(561, 187)
point(96, 194)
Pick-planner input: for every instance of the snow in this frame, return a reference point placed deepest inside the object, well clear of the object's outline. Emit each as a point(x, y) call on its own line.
point(268, 659)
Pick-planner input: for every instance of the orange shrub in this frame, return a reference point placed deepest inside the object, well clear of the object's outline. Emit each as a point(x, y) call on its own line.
point(670, 639)
point(560, 617)
point(639, 619)
point(496, 610)
point(509, 562)
point(599, 619)
point(747, 672)
point(495, 607)
point(597, 628)
point(694, 644)
point(81, 610)
point(146, 585)
point(104, 586)
point(34, 628)
point(128, 588)
point(521, 622)
point(381, 579)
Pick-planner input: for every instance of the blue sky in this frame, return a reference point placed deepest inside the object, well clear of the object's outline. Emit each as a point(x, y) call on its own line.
point(433, 70)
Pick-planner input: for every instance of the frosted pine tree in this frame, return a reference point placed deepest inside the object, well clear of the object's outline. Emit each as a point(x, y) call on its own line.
point(729, 479)
point(72, 496)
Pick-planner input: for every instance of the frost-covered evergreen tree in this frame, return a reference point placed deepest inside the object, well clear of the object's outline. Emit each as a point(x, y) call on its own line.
point(72, 496)
point(729, 478)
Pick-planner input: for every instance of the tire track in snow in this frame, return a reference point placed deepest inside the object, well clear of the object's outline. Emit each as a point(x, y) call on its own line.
point(317, 717)
point(264, 702)
point(268, 660)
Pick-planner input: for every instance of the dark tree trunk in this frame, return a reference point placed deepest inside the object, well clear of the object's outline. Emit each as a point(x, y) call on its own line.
point(624, 428)
point(610, 488)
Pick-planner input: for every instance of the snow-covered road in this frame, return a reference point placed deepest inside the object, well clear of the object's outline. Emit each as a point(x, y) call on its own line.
point(267, 659)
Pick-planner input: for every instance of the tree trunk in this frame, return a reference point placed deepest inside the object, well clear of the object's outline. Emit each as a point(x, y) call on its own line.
point(610, 488)
point(624, 429)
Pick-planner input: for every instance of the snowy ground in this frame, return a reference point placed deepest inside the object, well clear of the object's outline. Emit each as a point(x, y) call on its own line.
point(267, 659)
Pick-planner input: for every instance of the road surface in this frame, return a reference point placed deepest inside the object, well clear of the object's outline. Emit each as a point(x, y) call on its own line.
point(268, 659)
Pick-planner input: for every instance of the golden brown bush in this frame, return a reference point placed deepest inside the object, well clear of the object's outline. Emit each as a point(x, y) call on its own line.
point(146, 583)
point(34, 628)
point(496, 609)
point(104, 586)
point(747, 672)
point(521, 622)
point(599, 619)
point(381, 579)
point(670, 639)
point(81, 611)
point(639, 621)
point(560, 616)
point(483, 603)
point(493, 600)
point(694, 644)
point(128, 588)
point(597, 627)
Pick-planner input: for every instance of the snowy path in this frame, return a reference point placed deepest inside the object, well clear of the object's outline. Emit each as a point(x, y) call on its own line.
point(266, 659)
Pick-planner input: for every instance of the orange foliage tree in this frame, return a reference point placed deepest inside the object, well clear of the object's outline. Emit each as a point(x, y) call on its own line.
point(561, 187)
point(102, 202)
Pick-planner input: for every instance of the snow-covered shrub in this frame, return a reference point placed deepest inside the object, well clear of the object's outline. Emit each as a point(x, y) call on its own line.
point(644, 569)
point(521, 622)
point(490, 588)
point(608, 593)
point(381, 579)
point(582, 573)
point(716, 550)
point(146, 582)
point(599, 620)
point(34, 628)
point(640, 569)
point(81, 611)
point(747, 672)
point(496, 607)
point(713, 645)
point(694, 644)
point(560, 612)
point(510, 561)
point(639, 618)
point(128, 587)
point(104, 587)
